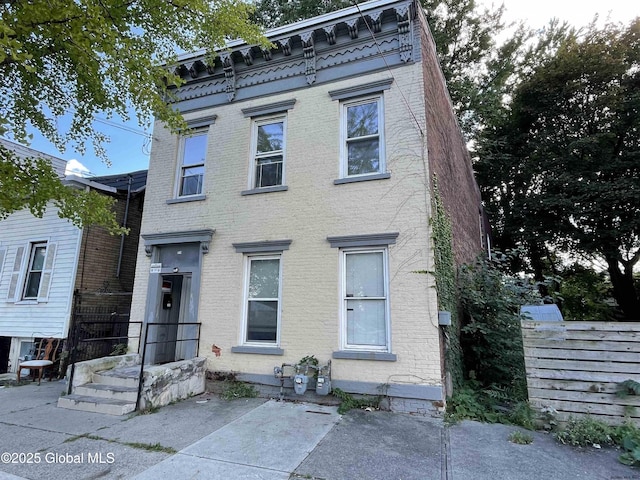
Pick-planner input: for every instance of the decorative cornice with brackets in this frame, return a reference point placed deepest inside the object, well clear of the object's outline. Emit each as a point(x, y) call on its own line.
point(229, 74)
point(309, 53)
point(350, 42)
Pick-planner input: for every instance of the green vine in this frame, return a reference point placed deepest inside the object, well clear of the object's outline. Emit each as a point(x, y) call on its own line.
point(445, 278)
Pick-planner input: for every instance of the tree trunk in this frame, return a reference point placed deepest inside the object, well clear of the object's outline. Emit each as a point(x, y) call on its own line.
point(624, 290)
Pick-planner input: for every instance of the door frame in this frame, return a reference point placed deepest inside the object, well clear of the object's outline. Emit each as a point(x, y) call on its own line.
point(153, 244)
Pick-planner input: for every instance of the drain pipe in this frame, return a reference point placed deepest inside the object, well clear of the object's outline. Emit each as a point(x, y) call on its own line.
point(124, 224)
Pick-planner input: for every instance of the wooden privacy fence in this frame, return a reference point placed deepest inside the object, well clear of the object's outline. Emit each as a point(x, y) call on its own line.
point(576, 368)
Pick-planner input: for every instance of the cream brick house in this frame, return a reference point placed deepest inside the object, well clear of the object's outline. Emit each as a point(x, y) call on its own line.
point(293, 217)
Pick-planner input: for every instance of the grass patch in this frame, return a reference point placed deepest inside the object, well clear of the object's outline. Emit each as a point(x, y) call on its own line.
point(521, 438)
point(350, 402)
point(150, 447)
point(233, 389)
point(75, 437)
point(155, 447)
point(150, 410)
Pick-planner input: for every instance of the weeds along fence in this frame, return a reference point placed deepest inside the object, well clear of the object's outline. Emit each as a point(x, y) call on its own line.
point(577, 368)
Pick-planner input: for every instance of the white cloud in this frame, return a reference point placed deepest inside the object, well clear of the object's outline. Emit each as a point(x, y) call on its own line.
point(74, 167)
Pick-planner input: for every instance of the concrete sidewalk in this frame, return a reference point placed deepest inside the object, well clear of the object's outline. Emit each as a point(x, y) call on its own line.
point(208, 438)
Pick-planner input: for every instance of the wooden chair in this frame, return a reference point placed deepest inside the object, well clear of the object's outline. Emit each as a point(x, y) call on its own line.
point(45, 357)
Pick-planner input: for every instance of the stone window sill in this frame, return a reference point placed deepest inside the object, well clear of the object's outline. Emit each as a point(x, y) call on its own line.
point(376, 356)
point(190, 198)
point(254, 191)
point(257, 350)
point(363, 178)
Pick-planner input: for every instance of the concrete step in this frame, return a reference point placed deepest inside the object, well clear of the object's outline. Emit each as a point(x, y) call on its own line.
point(123, 377)
point(96, 404)
point(103, 390)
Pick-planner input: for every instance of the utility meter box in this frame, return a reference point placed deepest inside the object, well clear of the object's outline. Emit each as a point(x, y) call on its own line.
point(323, 385)
point(300, 382)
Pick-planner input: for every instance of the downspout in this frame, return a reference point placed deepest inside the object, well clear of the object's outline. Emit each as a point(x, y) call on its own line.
point(124, 224)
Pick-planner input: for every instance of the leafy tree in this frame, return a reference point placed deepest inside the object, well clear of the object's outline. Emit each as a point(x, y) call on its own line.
point(473, 64)
point(562, 168)
point(33, 184)
point(274, 13)
point(584, 294)
point(87, 57)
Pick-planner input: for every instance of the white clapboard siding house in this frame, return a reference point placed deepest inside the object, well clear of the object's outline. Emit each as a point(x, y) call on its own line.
point(45, 263)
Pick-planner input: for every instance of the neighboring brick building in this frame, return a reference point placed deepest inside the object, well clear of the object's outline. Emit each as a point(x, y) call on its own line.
point(106, 263)
point(294, 217)
point(47, 265)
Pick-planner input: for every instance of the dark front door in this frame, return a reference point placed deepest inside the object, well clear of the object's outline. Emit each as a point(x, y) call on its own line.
point(168, 319)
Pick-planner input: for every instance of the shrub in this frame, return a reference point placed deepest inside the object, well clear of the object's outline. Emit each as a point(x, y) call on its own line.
point(471, 402)
point(586, 432)
point(627, 436)
point(491, 336)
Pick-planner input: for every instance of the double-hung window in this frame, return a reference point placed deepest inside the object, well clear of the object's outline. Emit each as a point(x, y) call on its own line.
point(365, 324)
point(268, 152)
point(34, 271)
point(262, 299)
point(31, 276)
point(365, 299)
point(267, 169)
point(193, 152)
point(363, 140)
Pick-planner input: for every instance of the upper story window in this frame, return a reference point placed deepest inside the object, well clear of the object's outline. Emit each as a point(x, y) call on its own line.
point(268, 146)
point(31, 276)
point(362, 143)
point(268, 152)
point(362, 148)
point(34, 271)
point(192, 153)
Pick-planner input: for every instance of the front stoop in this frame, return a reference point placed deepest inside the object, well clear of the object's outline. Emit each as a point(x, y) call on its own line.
point(113, 392)
point(96, 404)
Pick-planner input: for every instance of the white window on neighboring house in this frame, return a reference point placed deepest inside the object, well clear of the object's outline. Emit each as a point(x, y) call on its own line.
point(3, 254)
point(31, 276)
point(193, 150)
point(365, 299)
point(262, 300)
point(268, 147)
point(362, 137)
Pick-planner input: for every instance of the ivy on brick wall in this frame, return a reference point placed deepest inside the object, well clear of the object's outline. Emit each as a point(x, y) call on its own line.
point(445, 278)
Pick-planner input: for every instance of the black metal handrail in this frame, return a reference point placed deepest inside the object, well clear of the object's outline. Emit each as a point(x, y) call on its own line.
point(146, 342)
point(90, 333)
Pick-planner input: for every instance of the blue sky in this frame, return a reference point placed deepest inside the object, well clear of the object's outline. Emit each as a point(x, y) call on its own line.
point(129, 147)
